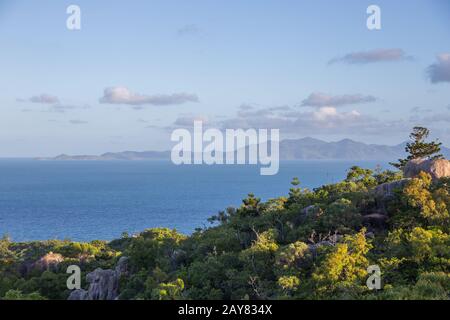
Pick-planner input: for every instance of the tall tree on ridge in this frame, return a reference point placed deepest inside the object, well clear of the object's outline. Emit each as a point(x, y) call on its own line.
point(419, 149)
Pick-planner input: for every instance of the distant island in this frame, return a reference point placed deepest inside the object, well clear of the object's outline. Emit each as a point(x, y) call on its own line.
point(292, 149)
point(125, 155)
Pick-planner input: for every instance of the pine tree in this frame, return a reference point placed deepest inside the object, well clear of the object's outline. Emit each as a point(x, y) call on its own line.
point(419, 149)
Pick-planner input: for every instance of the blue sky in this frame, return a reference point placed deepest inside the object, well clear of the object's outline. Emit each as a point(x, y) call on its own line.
point(138, 69)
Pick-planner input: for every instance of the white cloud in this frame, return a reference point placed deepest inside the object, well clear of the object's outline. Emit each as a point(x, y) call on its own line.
point(246, 107)
point(59, 107)
point(42, 98)
point(440, 70)
point(188, 120)
point(318, 99)
point(187, 30)
point(321, 120)
point(421, 110)
point(77, 122)
point(122, 95)
point(372, 56)
point(54, 103)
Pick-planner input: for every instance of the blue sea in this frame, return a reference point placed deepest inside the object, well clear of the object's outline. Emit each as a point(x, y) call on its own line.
point(87, 200)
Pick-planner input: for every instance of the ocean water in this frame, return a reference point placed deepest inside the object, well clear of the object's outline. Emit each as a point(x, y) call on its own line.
point(86, 200)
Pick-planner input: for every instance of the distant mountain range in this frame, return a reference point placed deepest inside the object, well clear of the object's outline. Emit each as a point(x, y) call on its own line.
point(310, 148)
point(293, 149)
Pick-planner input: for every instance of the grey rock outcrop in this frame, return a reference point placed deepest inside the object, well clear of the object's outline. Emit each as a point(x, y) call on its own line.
point(310, 210)
point(387, 190)
point(383, 194)
point(437, 168)
point(79, 295)
point(103, 284)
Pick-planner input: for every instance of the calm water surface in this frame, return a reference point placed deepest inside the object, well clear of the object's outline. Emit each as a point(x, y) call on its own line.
point(86, 200)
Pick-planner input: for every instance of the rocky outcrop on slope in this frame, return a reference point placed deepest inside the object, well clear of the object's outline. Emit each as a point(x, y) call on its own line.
point(437, 168)
point(103, 284)
point(387, 190)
